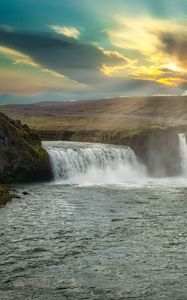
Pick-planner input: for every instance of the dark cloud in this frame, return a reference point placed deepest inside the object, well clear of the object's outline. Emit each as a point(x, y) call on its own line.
point(82, 62)
point(175, 45)
point(79, 61)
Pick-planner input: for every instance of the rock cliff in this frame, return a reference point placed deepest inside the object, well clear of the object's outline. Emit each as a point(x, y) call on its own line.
point(22, 158)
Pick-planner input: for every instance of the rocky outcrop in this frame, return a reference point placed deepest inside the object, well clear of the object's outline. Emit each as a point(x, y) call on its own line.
point(5, 195)
point(22, 158)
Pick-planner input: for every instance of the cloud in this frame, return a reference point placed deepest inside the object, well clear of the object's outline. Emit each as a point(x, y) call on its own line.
point(83, 70)
point(6, 28)
point(136, 34)
point(71, 32)
point(78, 61)
point(18, 57)
point(112, 88)
point(160, 46)
point(174, 44)
point(16, 78)
point(147, 35)
point(21, 81)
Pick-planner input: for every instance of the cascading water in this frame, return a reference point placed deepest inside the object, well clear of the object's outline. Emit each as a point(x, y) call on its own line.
point(183, 152)
point(85, 163)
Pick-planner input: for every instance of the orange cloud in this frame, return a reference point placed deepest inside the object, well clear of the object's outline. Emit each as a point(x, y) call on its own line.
point(161, 45)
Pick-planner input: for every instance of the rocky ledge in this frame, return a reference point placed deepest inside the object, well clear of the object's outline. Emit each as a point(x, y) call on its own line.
point(22, 158)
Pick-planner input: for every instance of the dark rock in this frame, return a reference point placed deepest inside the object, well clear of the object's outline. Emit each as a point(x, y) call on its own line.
point(5, 195)
point(16, 197)
point(25, 193)
point(22, 158)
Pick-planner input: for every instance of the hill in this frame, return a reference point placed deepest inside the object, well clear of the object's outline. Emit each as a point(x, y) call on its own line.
point(105, 115)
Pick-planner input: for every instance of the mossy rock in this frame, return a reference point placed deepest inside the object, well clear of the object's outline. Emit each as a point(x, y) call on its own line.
point(5, 195)
point(22, 158)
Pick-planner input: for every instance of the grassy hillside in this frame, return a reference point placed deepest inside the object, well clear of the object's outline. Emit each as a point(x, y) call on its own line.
point(106, 115)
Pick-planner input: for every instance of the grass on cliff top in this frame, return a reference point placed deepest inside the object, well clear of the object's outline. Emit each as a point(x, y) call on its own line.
point(77, 124)
point(130, 132)
point(48, 123)
point(128, 129)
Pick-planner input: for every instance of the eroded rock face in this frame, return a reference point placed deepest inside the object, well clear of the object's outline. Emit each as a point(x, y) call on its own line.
point(157, 148)
point(22, 158)
point(159, 151)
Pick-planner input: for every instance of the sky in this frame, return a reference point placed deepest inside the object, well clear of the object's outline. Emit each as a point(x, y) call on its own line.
point(91, 49)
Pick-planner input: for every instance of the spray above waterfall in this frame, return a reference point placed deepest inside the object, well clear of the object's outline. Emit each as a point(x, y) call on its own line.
point(85, 163)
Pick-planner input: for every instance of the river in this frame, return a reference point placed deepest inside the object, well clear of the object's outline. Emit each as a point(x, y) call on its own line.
point(103, 229)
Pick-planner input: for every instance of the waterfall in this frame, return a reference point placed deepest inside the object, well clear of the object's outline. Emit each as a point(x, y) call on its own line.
point(80, 163)
point(183, 152)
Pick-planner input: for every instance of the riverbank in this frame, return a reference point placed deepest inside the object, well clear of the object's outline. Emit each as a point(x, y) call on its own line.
point(6, 195)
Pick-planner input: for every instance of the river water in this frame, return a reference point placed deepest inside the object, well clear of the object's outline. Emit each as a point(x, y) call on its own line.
point(103, 229)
